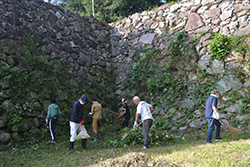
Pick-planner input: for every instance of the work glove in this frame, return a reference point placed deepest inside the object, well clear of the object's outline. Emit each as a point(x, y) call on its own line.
point(120, 116)
point(216, 115)
point(135, 125)
point(47, 123)
point(81, 123)
point(90, 113)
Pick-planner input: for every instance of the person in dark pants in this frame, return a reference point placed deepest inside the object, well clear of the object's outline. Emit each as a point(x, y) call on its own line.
point(212, 116)
point(52, 117)
point(76, 122)
point(126, 113)
point(144, 109)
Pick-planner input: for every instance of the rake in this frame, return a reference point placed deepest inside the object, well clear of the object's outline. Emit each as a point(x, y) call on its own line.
point(113, 112)
point(233, 131)
point(126, 134)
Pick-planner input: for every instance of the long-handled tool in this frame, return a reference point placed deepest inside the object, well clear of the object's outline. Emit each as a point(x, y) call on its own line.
point(126, 134)
point(233, 131)
point(113, 112)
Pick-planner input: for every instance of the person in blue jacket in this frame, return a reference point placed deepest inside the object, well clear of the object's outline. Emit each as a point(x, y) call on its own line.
point(76, 121)
point(212, 116)
point(52, 117)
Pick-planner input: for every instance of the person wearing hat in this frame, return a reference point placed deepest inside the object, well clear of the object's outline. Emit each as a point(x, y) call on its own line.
point(96, 112)
point(212, 116)
point(126, 113)
point(76, 122)
point(52, 117)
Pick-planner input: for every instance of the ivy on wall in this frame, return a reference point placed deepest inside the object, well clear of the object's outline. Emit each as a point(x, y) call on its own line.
point(159, 72)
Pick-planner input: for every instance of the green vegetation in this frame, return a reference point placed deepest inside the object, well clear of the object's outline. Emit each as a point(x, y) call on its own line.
point(158, 136)
point(158, 72)
point(190, 151)
point(222, 45)
point(110, 10)
point(31, 79)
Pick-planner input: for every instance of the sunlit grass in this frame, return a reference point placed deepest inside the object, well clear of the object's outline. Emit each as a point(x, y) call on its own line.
point(233, 151)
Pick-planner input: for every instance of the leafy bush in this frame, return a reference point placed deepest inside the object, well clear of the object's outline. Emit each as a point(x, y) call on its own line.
point(243, 107)
point(157, 136)
point(220, 47)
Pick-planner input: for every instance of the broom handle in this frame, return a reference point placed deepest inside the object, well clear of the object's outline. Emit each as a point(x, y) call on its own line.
point(224, 123)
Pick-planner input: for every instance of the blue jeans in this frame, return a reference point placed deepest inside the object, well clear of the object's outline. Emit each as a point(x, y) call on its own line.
point(211, 123)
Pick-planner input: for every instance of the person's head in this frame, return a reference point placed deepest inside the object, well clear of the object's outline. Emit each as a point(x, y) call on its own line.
point(216, 92)
point(124, 101)
point(94, 100)
point(52, 100)
point(136, 100)
point(83, 99)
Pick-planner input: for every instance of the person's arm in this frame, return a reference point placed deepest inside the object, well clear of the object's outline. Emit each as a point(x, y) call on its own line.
point(215, 109)
point(151, 108)
point(48, 113)
point(59, 111)
point(137, 117)
point(124, 112)
point(92, 110)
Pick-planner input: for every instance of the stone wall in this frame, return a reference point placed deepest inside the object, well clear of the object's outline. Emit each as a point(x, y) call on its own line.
point(199, 18)
point(80, 41)
point(87, 44)
point(195, 17)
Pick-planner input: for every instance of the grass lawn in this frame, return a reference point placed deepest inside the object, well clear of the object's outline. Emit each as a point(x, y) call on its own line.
point(232, 151)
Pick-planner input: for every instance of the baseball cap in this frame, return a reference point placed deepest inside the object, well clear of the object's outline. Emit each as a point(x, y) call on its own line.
point(84, 98)
point(123, 100)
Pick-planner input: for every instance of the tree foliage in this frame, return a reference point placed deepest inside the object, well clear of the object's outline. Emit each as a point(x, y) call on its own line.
point(110, 10)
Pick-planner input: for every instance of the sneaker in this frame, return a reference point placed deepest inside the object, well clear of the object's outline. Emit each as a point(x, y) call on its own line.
point(144, 147)
point(220, 139)
point(52, 141)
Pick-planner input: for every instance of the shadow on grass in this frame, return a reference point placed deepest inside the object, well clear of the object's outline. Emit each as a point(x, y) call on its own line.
point(44, 154)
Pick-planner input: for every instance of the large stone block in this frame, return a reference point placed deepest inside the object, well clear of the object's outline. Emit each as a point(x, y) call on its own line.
point(147, 38)
point(194, 22)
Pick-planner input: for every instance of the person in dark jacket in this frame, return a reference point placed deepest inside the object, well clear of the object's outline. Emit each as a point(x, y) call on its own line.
point(76, 122)
point(52, 117)
point(212, 116)
point(126, 113)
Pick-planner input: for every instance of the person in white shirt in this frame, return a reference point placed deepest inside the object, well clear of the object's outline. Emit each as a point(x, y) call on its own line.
point(144, 109)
